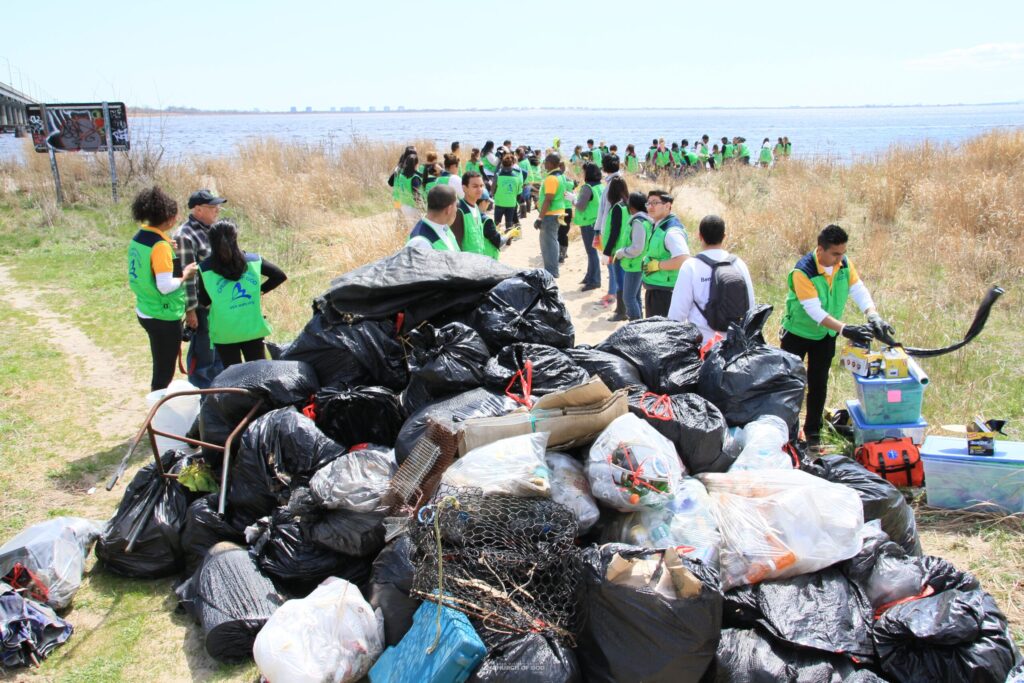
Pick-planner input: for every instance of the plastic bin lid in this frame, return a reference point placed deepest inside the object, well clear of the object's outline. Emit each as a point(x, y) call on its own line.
point(955, 449)
point(857, 415)
point(885, 381)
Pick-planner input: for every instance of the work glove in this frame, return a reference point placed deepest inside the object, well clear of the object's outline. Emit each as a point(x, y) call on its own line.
point(652, 267)
point(858, 334)
point(514, 234)
point(880, 327)
point(536, 224)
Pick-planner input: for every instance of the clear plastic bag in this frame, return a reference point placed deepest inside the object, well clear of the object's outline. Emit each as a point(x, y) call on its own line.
point(55, 551)
point(763, 440)
point(686, 522)
point(632, 467)
point(331, 635)
point(781, 523)
point(355, 481)
point(514, 466)
point(569, 487)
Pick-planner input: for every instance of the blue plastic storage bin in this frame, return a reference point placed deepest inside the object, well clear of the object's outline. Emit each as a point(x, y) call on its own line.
point(955, 480)
point(863, 431)
point(456, 657)
point(890, 401)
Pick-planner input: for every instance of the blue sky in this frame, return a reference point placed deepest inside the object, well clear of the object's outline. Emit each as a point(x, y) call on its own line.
point(460, 54)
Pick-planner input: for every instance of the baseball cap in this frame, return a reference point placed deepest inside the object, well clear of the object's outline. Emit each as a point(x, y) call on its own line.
point(485, 197)
point(204, 197)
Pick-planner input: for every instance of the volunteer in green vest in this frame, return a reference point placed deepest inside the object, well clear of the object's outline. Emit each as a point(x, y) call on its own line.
point(488, 164)
point(716, 158)
point(230, 284)
point(788, 146)
point(742, 151)
point(779, 151)
point(765, 157)
point(819, 286)
point(632, 163)
point(523, 163)
point(433, 231)
point(552, 211)
point(468, 225)
point(728, 151)
point(615, 234)
point(473, 165)
point(666, 252)
point(587, 201)
point(595, 153)
point(703, 152)
point(663, 157)
point(630, 255)
point(407, 184)
point(159, 294)
point(508, 185)
point(534, 177)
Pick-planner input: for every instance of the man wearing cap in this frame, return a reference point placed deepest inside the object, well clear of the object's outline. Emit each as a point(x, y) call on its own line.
point(193, 243)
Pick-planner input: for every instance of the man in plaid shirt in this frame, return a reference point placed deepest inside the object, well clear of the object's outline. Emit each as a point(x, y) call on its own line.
point(193, 240)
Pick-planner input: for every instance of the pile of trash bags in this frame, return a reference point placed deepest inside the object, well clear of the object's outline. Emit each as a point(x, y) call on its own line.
point(698, 547)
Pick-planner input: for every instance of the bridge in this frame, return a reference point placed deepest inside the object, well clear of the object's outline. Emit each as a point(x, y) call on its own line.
point(12, 110)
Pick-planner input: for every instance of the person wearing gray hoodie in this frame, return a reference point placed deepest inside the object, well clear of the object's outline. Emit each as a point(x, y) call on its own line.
point(630, 257)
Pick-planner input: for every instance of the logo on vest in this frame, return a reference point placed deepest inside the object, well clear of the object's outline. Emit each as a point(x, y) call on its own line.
point(132, 268)
point(238, 292)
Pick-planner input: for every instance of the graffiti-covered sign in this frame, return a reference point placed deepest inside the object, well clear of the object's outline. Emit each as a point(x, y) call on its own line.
point(77, 127)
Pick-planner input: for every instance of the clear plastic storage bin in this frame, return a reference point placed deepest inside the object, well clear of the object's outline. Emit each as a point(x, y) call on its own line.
point(864, 431)
point(890, 401)
point(955, 480)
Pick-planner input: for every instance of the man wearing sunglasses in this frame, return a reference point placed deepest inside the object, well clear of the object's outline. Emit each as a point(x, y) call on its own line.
point(666, 252)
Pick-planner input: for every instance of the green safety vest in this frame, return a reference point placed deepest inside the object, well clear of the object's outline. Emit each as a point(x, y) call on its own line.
point(780, 150)
point(488, 166)
point(558, 201)
point(525, 165)
point(606, 229)
point(718, 160)
point(472, 166)
point(704, 150)
point(596, 155)
point(473, 240)
point(508, 188)
point(635, 264)
point(691, 159)
point(663, 159)
point(833, 299)
point(657, 251)
point(632, 165)
point(437, 243)
point(744, 150)
point(235, 311)
point(142, 281)
point(729, 151)
point(588, 215)
point(766, 155)
point(789, 148)
point(677, 157)
point(534, 174)
point(403, 193)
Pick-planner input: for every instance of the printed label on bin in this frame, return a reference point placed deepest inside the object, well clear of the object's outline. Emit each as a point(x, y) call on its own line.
point(895, 396)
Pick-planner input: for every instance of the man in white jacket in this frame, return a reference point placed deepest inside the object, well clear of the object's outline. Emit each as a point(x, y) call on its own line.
point(692, 291)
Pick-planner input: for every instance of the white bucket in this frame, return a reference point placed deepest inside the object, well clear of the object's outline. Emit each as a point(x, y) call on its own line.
point(175, 416)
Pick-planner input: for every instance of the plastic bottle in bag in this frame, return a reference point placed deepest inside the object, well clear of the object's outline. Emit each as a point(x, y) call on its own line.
point(763, 441)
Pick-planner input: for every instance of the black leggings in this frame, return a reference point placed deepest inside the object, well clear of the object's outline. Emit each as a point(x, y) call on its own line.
point(231, 354)
point(819, 354)
point(164, 346)
point(510, 213)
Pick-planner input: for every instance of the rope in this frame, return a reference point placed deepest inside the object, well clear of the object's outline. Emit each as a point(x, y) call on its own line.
point(451, 501)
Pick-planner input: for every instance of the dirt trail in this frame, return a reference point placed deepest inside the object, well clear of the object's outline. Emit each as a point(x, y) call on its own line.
point(591, 319)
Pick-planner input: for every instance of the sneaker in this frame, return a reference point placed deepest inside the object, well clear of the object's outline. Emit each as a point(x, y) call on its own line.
point(618, 317)
point(588, 288)
point(607, 300)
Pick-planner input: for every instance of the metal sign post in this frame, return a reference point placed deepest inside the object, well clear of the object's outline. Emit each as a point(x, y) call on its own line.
point(110, 150)
point(53, 160)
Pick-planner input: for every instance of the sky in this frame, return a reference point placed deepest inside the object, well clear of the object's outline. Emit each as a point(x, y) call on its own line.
point(234, 54)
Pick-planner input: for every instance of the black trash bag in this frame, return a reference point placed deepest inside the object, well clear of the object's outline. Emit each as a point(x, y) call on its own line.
point(204, 528)
point(746, 656)
point(527, 658)
point(420, 284)
point(159, 505)
point(882, 500)
point(279, 383)
point(552, 370)
point(359, 415)
point(746, 378)
point(443, 361)
point(28, 627)
point(451, 410)
point(363, 353)
point(666, 352)
point(639, 635)
point(526, 308)
point(284, 549)
point(356, 534)
point(839, 622)
point(231, 600)
point(390, 583)
point(953, 636)
point(614, 371)
point(692, 423)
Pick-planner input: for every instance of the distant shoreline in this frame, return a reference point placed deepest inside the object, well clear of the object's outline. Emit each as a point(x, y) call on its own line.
point(151, 113)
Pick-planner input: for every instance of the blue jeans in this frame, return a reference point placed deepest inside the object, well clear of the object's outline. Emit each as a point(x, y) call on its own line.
point(549, 243)
point(631, 293)
point(614, 278)
point(201, 354)
point(593, 275)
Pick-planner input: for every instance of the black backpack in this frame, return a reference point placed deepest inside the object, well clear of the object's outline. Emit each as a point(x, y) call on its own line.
point(728, 301)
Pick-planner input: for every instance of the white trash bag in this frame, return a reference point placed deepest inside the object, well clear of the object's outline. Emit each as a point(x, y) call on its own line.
point(175, 416)
point(514, 466)
point(569, 487)
point(55, 551)
point(763, 440)
point(330, 635)
point(781, 523)
point(632, 467)
point(355, 481)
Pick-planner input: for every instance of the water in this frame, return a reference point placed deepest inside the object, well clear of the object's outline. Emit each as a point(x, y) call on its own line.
point(838, 133)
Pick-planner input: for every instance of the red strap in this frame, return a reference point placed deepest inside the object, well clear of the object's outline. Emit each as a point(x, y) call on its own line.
point(925, 592)
point(710, 344)
point(181, 366)
point(23, 579)
point(525, 380)
point(794, 454)
point(310, 409)
point(661, 409)
point(399, 321)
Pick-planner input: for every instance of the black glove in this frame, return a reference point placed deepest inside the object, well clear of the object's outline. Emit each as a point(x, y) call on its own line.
point(536, 224)
point(858, 334)
point(880, 327)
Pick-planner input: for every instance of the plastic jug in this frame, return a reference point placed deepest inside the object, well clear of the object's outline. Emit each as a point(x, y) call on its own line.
point(175, 416)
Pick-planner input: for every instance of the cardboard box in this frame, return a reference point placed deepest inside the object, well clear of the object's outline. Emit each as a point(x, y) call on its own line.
point(895, 363)
point(981, 438)
point(861, 361)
